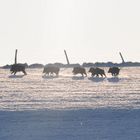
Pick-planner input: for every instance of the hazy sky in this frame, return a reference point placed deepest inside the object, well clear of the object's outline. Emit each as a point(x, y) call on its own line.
point(90, 30)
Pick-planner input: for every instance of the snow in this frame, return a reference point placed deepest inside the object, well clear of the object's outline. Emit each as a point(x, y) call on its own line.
point(67, 107)
point(97, 124)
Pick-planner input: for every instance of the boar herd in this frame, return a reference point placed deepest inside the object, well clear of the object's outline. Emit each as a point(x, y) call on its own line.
point(51, 69)
point(96, 71)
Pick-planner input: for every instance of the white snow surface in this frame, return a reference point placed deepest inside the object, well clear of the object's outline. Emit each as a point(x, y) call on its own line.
point(70, 107)
point(66, 91)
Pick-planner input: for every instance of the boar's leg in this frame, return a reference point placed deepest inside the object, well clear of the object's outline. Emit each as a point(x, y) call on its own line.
point(104, 74)
point(85, 74)
point(97, 75)
point(12, 72)
point(24, 72)
point(101, 74)
point(93, 74)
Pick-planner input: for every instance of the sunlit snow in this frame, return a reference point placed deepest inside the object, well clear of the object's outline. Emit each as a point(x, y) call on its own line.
point(67, 91)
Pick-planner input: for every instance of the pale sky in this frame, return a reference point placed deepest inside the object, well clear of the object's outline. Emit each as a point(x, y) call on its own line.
point(90, 30)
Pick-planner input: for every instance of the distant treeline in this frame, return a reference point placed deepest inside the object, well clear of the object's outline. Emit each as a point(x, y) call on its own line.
point(97, 64)
point(111, 64)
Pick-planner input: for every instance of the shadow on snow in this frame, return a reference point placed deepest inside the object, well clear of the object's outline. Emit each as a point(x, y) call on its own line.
point(16, 76)
point(49, 76)
point(113, 79)
point(97, 79)
point(78, 78)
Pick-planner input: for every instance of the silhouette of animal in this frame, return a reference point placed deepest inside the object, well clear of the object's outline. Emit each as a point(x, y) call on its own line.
point(51, 69)
point(79, 70)
point(97, 72)
point(114, 71)
point(17, 68)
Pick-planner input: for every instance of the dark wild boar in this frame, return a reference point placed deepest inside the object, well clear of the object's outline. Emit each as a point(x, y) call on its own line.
point(97, 72)
point(114, 71)
point(79, 70)
point(51, 69)
point(18, 68)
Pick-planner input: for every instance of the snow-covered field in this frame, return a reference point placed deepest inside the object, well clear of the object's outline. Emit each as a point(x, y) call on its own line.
point(67, 107)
